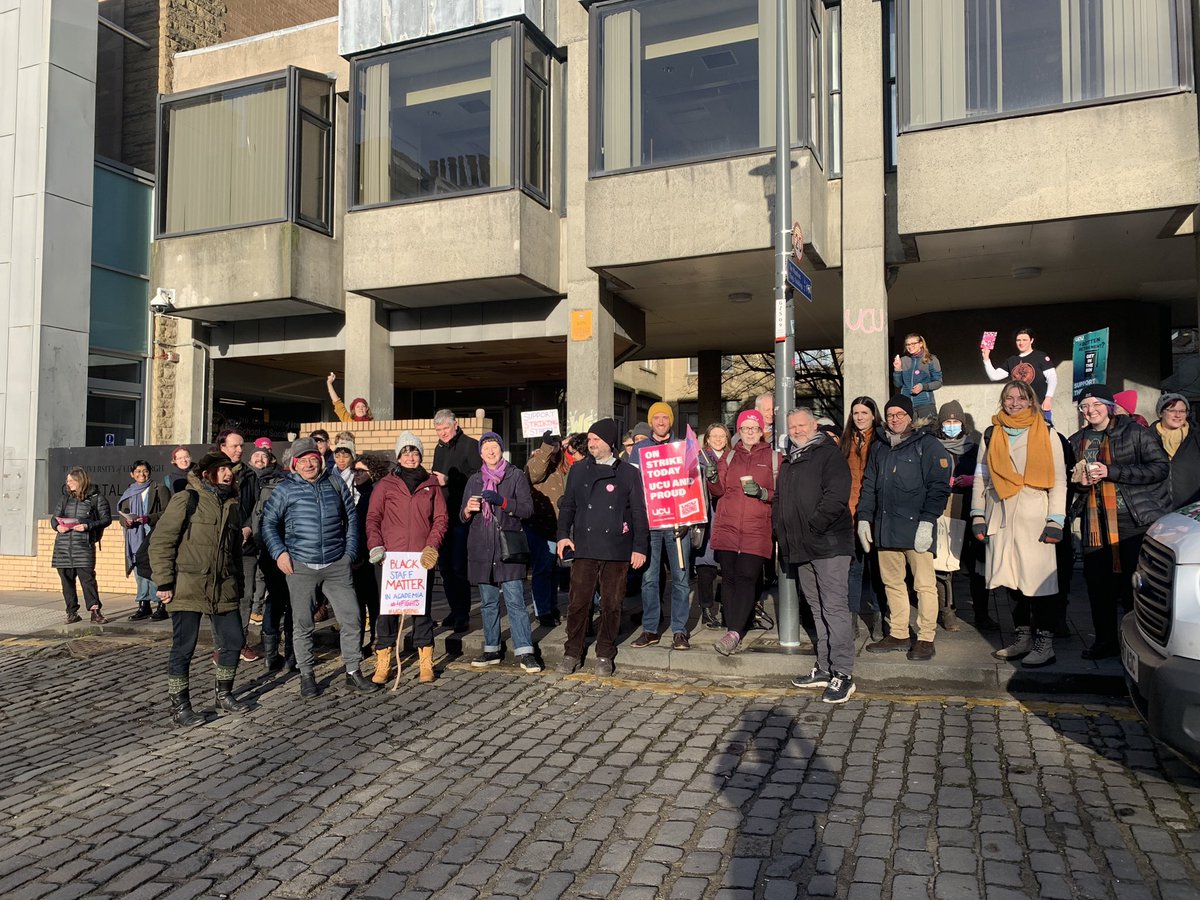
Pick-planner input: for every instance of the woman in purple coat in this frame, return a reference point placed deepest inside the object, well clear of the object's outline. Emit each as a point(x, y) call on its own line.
point(495, 500)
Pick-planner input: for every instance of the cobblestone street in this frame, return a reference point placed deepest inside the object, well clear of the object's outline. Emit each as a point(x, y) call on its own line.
point(497, 783)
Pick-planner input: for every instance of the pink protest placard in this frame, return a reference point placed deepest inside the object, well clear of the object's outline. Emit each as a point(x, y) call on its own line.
point(988, 341)
point(404, 583)
point(671, 481)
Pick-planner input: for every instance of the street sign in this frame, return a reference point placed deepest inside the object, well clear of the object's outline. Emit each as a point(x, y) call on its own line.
point(798, 280)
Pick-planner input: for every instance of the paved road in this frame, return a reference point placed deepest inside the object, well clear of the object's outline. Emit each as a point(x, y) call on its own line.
point(497, 783)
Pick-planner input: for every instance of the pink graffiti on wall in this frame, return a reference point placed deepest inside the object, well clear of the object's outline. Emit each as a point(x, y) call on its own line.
point(869, 321)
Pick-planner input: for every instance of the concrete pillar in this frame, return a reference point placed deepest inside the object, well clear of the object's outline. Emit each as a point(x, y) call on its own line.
point(47, 135)
point(370, 366)
point(590, 358)
point(708, 387)
point(181, 386)
point(864, 294)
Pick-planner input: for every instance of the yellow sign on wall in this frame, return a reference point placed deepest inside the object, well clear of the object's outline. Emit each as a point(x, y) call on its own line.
point(582, 325)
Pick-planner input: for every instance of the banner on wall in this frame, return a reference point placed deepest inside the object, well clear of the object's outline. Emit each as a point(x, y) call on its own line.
point(1089, 356)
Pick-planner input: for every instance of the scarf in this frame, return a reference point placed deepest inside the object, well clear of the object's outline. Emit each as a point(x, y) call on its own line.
point(1039, 463)
point(1108, 500)
point(412, 478)
point(897, 439)
point(797, 450)
point(1172, 439)
point(955, 446)
point(491, 482)
point(136, 536)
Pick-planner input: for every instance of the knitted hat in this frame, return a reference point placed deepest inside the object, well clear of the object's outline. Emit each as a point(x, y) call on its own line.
point(950, 410)
point(660, 408)
point(1100, 392)
point(302, 446)
point(1127, 400)
point(346, 445)
point(1168, 399)
point(357, 400)
point(262, 443)
point(642, 430)
point(606, 430)
point(408, 439)
point(899, 402)
point(213, 460)
point(750, 415)
point(491, 436)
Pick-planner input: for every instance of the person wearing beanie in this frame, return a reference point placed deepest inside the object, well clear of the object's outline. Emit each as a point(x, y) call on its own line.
point(232, 443)
point(1182, 444)
point(275, 612)
point(344, 451)
point(407, 514)
point(1126, 405)
point(1123, 479)
point(195, 557)
point(603, 530)
point(359, 410)
point(455, 459)
point(547, 472)
point(905, 487)
point(952, 524)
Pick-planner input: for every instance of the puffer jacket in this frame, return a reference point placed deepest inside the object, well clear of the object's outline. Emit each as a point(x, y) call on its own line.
point(812, 504)
point(313, 522)
point(403, 522)
point(1140, 469)
point(77, 549)
point(743, 524)
point(483, 539)
point(199, 556)
point(904, 486)
point(547, 473)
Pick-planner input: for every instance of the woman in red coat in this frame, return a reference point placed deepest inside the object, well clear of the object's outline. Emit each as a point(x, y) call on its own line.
point(741, 529)
point(407, 515)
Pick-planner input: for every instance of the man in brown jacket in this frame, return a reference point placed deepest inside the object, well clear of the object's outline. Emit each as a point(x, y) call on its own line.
point(547, 470)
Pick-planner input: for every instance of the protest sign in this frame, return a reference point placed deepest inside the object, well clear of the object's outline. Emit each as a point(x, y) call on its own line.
point(535, 423)
point(1089, 358)
point(673, 486)
point(404, 583)
point(988, 341)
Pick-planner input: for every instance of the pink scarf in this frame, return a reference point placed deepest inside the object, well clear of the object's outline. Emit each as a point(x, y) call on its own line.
point(491, 482)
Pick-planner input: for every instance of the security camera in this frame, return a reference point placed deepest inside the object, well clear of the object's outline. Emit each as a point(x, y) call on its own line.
point(163, 301)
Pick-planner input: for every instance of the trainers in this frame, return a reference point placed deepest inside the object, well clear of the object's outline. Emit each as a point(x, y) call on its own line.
point(487, 658)
point(921, 650)
point(840, 688)
point(249, 654)
point(817, 678)
point(1020, 646)
point(888, 643)
point(647, 639)
point(529, 663)
point(1042, 653)
point(604, 667)
point(710, 619)
point(728, 643)
point(256, 618)
point(680, 642)
point(567, 665)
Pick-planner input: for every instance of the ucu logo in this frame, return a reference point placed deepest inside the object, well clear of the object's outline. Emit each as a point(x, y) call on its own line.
point(869, 321)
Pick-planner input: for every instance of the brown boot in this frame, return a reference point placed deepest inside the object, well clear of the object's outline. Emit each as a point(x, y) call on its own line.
point(425, 655)
point(383, 666)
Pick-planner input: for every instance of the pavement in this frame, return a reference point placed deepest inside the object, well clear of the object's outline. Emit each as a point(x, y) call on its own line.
point(963, 663)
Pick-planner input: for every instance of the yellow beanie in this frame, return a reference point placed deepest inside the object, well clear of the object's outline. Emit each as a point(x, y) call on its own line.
point(660, 407)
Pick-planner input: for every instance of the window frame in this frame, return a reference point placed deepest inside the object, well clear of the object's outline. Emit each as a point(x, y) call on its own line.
point(328, 127)
point(833, 66)
point(290, 77)
point(518, 30)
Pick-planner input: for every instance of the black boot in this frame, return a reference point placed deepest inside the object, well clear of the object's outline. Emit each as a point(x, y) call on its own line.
point(271, 653)
point(361, 684)
point(142, 613)
point(226, 702)
point(160, 613)
point(181, 710)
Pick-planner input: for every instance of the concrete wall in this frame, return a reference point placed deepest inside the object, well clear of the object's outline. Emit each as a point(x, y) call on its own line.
point(371, 24)
point(312, 46)
point(1113, 158)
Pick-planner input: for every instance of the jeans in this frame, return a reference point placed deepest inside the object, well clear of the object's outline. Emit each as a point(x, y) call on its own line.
point(334, 581)
point(452, 562)
point(739, 588)
point(185, 628)
point(147, 590)
point(891, 568)
point(91, 593)
point(518, 617)
point(662, 545)
point(277, 610)
point(589, 577)
point(543, 567)
point(823, 583)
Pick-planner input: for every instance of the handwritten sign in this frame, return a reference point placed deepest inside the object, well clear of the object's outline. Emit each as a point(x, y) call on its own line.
point(988, 341)
point(674, 492)
point(537, 422)
point(404, 585)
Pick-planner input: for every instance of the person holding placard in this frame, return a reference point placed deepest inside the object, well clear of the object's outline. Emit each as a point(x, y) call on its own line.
point(495, 501)
point(1033, 367)
point(407, 514)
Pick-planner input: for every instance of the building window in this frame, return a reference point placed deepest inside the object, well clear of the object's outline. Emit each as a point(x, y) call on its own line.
point(438, 119)
point(973, 58)
point(687, 80)
point(693, 366)
point(225, 155)
point(891, 127)
point(833, 41)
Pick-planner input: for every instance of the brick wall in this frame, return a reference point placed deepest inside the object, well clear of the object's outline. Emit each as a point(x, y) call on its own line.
point(382, 435)
point(245, 18)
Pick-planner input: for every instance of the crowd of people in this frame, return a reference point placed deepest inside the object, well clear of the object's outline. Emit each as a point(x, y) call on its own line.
point(870, 519)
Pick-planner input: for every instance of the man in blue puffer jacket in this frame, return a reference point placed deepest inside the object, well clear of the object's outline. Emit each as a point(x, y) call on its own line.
point(312, 533)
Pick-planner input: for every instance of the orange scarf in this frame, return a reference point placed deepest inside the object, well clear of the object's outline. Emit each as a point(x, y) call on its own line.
point(1039, 463)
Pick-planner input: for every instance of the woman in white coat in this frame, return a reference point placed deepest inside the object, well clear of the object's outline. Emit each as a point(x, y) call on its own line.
point(1018, 508)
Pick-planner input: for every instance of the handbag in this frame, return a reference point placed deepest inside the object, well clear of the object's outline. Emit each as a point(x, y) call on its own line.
point(514, 547)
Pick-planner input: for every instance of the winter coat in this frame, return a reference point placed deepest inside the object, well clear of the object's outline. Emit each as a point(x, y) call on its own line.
point(929, 377)
point(705, 555)
point(246, 479)
point(547, 471)
point(812, 504)
point(603, 510)
point(199, 556)
point(1140, 469)
point(857, 457)
point(743, 524)
point(401, 522)
point(268, 479)
point(313, 522)
point(1185, 468)
point(156, 504)
point(1015, 558)
point(77, 549)
point(457, 459)
point(904, 486)
point(483, 538)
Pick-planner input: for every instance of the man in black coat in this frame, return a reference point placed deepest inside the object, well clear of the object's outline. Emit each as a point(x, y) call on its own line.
point(455, 459)
point(602, 523)
point(231, 442)
point(816, 539)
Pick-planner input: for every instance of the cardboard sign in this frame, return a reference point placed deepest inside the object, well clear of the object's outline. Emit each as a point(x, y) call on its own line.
point(404, 585)
point(673, 486)
point(988, 342)
point(537, 422)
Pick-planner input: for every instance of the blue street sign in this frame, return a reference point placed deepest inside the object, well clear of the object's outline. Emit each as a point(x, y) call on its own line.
point(798, 280)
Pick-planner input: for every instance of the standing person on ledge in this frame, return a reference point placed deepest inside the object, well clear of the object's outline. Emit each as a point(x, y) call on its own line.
point(918, 374)
point(1034, 367)
point(359, 410)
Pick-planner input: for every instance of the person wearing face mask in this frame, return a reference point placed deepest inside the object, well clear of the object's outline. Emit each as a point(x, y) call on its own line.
point(952, 523)
point(196, 561)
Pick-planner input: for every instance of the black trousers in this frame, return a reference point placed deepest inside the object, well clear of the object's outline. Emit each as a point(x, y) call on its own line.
point(91, 593)
point(185, 629)
point(277, 609)
point(1038, 613)
point(739, 588)
point(366, 580)
point(706, 582)
point(588, 575)
point(1108, 589)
